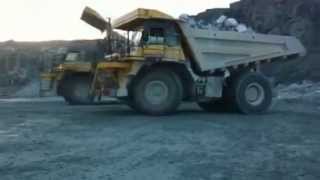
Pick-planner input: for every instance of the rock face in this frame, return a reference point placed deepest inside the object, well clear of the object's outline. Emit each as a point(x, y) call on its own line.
point(287, 17)
point(300, 18)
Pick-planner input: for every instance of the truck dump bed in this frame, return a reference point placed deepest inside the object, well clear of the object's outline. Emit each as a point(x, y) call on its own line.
point(213, 50)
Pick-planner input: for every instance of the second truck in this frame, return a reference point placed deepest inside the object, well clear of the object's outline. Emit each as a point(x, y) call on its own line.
point(165, 61)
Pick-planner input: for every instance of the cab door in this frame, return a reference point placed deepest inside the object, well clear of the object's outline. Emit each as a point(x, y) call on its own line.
point(173, 49)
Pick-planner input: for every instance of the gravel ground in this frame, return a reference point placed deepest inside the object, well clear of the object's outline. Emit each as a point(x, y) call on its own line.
point(43, 140)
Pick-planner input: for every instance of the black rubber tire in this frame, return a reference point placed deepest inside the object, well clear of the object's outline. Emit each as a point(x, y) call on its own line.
point(70, 90)
point(237, 93)
point(171, 102)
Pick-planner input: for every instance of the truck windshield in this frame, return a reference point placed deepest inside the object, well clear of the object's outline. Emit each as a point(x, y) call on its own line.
point(154, 36)
point(157, 36)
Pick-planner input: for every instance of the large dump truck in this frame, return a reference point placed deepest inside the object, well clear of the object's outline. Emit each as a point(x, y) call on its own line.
point(167, 62)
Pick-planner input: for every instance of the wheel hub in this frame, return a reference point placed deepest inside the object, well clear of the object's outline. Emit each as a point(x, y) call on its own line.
point(254, 94)
point(156, 92)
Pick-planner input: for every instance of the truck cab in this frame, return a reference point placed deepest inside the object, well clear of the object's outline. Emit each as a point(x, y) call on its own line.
point(159, 40)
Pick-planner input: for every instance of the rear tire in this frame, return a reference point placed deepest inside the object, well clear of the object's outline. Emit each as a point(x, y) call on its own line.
point(251, 93)
point(76, 90)
point(157, 92)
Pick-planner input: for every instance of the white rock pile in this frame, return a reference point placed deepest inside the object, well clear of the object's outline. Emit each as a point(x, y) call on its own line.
point(223, 23)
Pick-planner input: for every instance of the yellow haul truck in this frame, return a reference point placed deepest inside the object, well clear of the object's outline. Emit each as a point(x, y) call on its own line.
point(166, 62)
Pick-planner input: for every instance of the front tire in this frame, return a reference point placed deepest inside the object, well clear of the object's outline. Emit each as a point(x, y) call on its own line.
point(157, 92)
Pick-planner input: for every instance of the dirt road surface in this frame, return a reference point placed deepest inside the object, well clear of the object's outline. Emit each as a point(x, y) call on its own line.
point(43, 140)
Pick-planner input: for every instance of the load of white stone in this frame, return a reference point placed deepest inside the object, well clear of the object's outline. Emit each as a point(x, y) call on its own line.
point(223, 23)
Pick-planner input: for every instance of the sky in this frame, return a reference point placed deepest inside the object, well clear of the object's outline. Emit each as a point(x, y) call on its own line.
point(41, 20)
